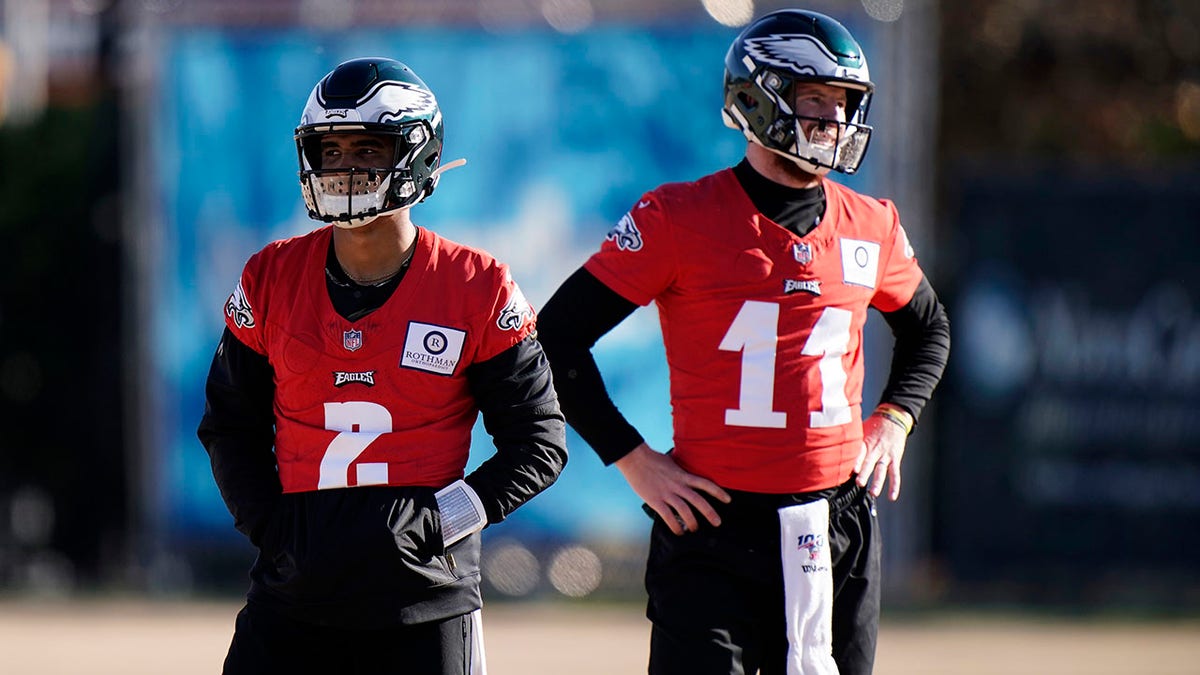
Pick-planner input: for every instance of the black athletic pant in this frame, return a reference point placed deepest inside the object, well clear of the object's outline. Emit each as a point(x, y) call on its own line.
point(266, 643)
point(717, 599)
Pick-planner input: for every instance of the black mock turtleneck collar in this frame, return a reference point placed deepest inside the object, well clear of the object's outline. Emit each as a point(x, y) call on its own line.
point(797, 209)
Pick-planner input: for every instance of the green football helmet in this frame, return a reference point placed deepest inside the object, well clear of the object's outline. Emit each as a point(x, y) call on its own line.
point(375, 96)
point(764, 64)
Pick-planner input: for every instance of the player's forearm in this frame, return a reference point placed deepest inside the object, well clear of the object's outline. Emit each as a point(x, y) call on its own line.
point(580, 312)
point(922, 331)
point(515, 394)
point(237, 431)
point(248, 483)
point(243, 466)
point(530, 456)
point(586, 405)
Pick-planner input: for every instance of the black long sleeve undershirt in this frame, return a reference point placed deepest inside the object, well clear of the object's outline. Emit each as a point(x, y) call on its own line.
point(515, 394)
point(579, 313)
point(922, 332)
point(238, 431)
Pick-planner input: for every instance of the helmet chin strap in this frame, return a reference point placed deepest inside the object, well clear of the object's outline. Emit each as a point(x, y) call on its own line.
point(355, 223)
point(805, 165)
point(447, 166)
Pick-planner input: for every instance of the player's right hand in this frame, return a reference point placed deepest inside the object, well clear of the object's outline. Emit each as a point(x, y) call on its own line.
point(673, 493)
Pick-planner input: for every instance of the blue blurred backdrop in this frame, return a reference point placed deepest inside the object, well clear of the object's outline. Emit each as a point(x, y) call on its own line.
point(562, 134)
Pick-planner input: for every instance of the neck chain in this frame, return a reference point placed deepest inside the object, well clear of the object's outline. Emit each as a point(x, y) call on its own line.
point(377, 281)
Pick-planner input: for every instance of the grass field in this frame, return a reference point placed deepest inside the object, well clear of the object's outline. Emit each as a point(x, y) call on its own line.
point(134, 637)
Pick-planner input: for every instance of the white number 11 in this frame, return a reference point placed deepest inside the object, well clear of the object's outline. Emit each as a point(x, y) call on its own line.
point(754, 332)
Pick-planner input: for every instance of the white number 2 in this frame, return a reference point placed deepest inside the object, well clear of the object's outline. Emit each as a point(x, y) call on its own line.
point(360, 423)
point(754, 332)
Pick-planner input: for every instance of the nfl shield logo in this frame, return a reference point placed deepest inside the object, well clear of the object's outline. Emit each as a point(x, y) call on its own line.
point(352, 339)
point(802, 252)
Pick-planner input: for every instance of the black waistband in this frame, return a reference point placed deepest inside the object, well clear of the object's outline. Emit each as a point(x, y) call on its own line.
point(839, 497)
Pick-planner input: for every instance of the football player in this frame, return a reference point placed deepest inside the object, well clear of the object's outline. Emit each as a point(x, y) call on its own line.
point(354, 362)
point(765, 550)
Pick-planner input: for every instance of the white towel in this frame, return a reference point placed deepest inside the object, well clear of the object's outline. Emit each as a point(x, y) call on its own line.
point(478, 657)
point(808, 588)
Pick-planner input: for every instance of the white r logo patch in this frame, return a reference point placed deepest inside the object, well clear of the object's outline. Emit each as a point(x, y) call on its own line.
point(434, 349)
point(860, 262)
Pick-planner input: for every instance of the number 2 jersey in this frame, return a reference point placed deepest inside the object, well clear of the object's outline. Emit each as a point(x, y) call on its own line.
point(763, 328)
point(358, 423)
point(382, 400)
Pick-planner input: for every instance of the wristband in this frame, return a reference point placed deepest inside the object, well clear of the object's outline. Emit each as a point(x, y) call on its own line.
point(462, 512)
point(896, 418)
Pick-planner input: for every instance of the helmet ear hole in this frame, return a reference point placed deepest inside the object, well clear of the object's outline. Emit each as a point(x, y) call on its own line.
point(432, 160)
point(747, 101)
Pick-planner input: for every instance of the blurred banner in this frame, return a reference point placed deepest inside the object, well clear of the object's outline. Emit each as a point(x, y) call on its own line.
point(1070, 449)
point(562, 135)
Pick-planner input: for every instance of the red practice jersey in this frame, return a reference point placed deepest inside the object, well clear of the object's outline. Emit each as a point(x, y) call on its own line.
point(382, 400)
point(763, 328)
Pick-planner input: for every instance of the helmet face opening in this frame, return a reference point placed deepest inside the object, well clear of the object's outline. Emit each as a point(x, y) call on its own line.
point(831, 145)
point(346, 198)
point(762, 70)
point(378, 98)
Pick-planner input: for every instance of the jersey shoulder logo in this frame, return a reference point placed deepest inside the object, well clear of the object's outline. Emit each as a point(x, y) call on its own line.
point(238, 307)
point(626, 234)
point(515, 313)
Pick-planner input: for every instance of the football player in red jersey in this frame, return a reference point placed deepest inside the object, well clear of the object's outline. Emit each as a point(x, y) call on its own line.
point(354, 362)
point(765, 551)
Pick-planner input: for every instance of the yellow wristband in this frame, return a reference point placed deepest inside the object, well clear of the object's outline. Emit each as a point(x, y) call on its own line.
point(896, 417)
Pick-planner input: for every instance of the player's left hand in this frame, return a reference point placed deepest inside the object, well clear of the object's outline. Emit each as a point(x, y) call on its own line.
point(879, 459)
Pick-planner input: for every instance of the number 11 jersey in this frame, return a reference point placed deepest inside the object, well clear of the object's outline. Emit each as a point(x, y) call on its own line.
point(763, 328)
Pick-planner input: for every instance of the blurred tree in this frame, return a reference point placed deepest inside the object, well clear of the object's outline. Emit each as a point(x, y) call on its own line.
point(60, 356)
point(1092, 81)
